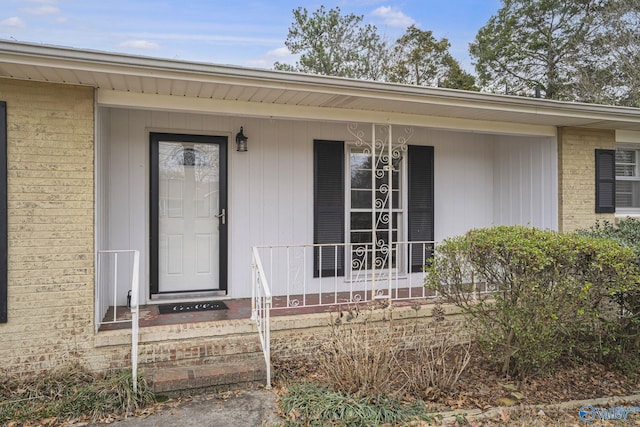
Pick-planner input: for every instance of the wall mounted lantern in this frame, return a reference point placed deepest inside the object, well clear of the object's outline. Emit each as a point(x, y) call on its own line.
point(241, 141)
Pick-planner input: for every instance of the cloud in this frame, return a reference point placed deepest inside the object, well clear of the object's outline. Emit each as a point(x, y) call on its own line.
point(13, 23)
point(393, 17)
point(281, 52)
point(139, 44)
point(43, 10)
point(267, 60)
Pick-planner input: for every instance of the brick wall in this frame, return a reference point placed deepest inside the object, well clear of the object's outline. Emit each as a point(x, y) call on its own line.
point(304, 335)
point(576, 176)
point(50, 234)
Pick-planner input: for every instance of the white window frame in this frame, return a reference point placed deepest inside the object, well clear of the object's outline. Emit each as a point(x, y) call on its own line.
point(636, 178)
point(402, 212)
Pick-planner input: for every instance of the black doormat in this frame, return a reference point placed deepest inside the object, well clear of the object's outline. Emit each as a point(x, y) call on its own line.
point(189, 307)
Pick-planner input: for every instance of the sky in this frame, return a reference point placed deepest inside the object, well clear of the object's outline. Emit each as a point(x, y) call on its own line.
point(231, 32)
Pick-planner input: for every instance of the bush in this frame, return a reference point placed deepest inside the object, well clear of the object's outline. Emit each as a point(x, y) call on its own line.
point(627, 233)
point(365, 357)
point(360, 357)
point(551, 293)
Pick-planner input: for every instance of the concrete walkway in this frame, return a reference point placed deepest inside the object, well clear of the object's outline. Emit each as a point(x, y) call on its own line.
point(247, 408)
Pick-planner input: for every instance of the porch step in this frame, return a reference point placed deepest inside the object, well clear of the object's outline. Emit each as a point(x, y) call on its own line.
point(216, 377)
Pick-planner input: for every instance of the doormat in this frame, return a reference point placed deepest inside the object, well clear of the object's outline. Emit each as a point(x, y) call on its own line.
point(188, 307)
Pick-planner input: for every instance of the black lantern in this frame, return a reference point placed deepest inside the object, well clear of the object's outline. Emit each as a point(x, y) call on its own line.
point(241, 141)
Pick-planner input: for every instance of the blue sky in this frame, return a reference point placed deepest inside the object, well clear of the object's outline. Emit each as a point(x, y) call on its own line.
point(237, 32)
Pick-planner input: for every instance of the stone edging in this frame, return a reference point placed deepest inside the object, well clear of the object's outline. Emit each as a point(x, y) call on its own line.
point(478, 414)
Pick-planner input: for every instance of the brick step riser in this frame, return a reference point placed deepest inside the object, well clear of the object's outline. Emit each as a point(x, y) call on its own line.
point(206, 350)
point(256, 358)
point(206, 364)
point(218, 377)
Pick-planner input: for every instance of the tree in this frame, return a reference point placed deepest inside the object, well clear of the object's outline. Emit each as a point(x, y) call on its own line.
point(536, 44)
point(609, 72)
point(332, 44)
point(419, 59)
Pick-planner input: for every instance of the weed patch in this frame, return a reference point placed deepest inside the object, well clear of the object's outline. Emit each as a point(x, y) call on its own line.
point(69, 393)
point(306, 404)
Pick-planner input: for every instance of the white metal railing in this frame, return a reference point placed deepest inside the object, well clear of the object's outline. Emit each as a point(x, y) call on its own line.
point(260, 308)
point(331, 274)
point(109, 269)
point(290, 276)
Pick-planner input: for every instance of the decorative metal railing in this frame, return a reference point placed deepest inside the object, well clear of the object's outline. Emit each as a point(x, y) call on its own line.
point(110, 268)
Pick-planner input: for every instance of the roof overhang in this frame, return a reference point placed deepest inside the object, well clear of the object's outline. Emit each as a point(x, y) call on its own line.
point(151, 83)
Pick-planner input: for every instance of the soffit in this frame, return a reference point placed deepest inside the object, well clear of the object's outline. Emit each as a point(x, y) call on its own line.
point(143, 75)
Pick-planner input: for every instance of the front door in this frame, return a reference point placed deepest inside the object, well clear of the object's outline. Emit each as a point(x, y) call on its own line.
point(188, 214)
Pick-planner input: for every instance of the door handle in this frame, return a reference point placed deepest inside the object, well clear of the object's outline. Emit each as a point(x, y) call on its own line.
point(222, 216)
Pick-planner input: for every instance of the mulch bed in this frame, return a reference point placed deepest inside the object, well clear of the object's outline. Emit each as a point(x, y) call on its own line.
point(481, 387)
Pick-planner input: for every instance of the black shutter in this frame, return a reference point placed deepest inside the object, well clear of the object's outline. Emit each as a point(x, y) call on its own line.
point(420, 203)
point(3, 213)
point(328, 207)
point(605, 181)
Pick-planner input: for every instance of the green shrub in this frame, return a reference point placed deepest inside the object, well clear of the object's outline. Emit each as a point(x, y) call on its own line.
point(627, 233)
point(550, 292)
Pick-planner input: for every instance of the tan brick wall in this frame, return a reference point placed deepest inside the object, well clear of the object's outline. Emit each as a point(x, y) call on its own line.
point(576, 176)
point(50, 192)
point(303, 336)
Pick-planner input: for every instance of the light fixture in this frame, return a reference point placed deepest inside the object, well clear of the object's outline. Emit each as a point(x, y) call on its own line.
point(241, 141)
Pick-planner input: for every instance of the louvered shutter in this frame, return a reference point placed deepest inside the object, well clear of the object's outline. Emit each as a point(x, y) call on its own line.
point(420, 204)
point(605, 181)
point(328, 207)
point(3, 213)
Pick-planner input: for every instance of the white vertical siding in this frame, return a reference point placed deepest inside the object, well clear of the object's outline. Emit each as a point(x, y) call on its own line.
point(526, 182)
point(270, 187)
point(463, 182)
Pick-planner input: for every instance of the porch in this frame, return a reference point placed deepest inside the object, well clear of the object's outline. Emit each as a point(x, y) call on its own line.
point(220, 350)
point(287, 315)
point(241, 220)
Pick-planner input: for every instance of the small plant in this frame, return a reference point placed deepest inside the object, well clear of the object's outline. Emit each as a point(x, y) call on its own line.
point(307, 404)
point(70, 392)
point(360, 357)
point(440, 357)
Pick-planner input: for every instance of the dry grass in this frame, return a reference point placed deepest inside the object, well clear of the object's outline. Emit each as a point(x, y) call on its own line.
point(364, 357)
point(70, 392)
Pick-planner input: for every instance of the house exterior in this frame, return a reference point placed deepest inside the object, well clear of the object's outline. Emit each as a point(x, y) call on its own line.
point(103, 151)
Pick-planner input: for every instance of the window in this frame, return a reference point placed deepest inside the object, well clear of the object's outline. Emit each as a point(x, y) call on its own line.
point(345, 209)
point(627, 179)
point(370, 195)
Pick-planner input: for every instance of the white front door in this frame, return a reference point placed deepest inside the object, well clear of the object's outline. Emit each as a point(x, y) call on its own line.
point(190, 214)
